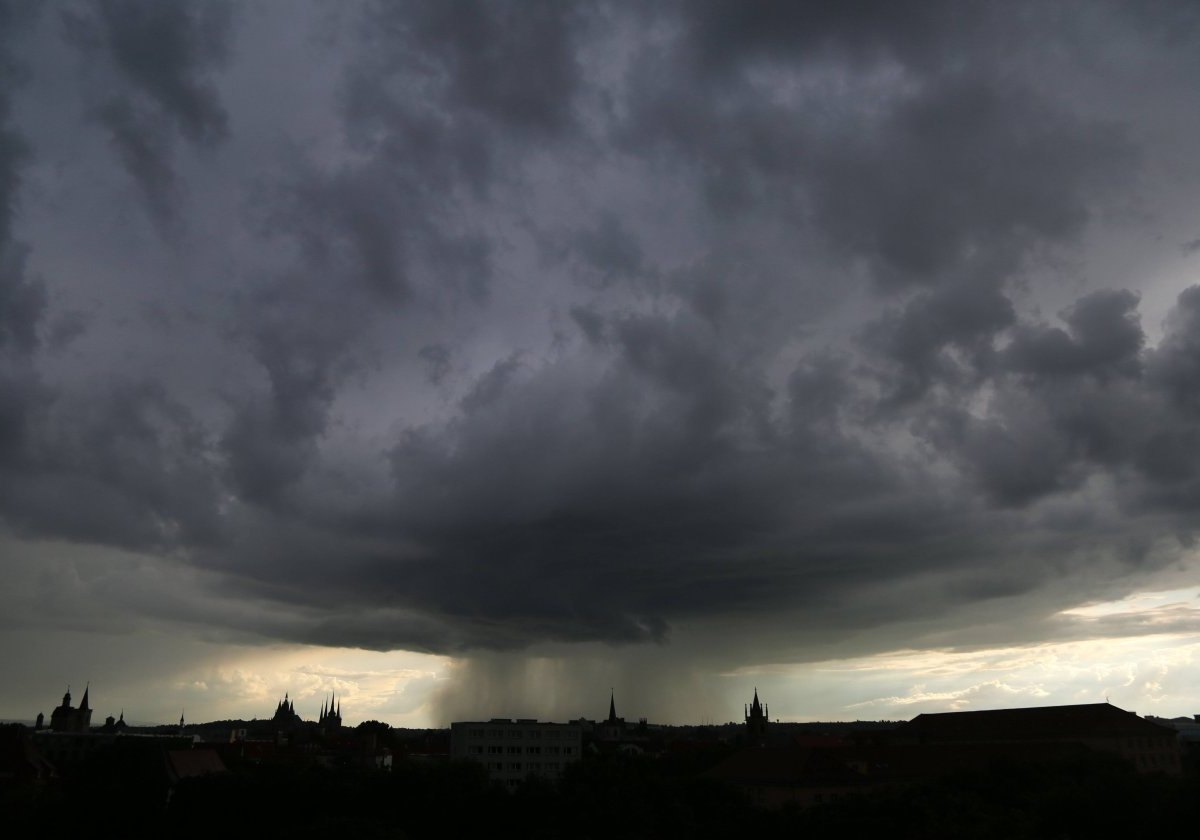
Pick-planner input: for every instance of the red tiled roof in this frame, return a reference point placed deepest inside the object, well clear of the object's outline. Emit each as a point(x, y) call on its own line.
point(185, 764)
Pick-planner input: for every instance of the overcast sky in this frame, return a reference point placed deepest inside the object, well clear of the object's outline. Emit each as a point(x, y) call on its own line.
point(472, 359)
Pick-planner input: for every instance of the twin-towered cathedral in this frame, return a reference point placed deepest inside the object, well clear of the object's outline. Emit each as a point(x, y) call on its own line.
point(331, 714)
point(67, 718)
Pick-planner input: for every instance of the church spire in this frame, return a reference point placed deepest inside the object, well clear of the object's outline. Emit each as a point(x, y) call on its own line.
point(83, 704)
point(612, 706)
point(756, 721)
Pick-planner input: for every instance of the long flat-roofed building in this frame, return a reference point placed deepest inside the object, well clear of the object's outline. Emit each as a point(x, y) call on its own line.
point(1149, 747)
point(513, 750)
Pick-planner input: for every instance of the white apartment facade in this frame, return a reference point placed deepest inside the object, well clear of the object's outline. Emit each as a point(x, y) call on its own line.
point(515, 749)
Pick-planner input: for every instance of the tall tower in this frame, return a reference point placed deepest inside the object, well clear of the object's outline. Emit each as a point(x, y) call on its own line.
point(613, 728)
point(756, 722)
point(331, 713)
point(65, 718)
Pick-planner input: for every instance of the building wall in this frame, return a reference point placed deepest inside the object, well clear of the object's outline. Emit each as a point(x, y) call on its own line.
point(1148, 754)
point(512, 750)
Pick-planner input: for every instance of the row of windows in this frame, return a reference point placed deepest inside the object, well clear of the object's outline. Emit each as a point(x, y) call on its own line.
point(494, 749)
point(1147, 743)
point(532, 734)
point(531, 766)
point(1155, 760)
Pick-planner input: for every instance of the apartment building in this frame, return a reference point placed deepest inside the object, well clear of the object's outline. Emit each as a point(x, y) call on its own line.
point(513, 750)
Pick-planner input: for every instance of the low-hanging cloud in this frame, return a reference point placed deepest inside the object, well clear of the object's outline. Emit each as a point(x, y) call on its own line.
point(521, 339)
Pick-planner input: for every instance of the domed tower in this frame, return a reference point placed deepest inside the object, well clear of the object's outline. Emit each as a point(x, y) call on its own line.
point(65, 718)
point(756, 721)
point(62, 717)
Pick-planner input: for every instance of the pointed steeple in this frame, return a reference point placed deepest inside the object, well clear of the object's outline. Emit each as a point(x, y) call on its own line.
point(612, 706)
point(756, 721)
point(83, 704)
point(339, 710)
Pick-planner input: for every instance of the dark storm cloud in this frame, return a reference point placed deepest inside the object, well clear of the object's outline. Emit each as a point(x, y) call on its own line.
point(955, 141)
point(123, 466)
point(1086, 400)
point(1176, 363)
point(22, 296)
point(609, 249)
point(916, 341)
point(511, 61)
point(437, 362)
point(163, 55)
point(392, 221)
point(22, 300)
point(298, 332)
point(355, 222)
point(726, 34)
point(887, 162)
point(586, 323)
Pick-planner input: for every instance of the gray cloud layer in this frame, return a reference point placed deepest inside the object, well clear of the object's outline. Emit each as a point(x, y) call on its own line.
point(521, 323)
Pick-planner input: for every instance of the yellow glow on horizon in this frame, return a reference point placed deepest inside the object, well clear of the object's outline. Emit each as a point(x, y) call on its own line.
point(392, 686)
point(1141, 602)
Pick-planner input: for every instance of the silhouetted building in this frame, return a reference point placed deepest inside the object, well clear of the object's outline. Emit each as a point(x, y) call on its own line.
point(613, 727)
point(331, 715)
point(1149, 747)
point(756, 722)
point(66, 718)
point(21, 762)
point(285, 716)
point(112, 725)
point(190, 764)
point(515, 749)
